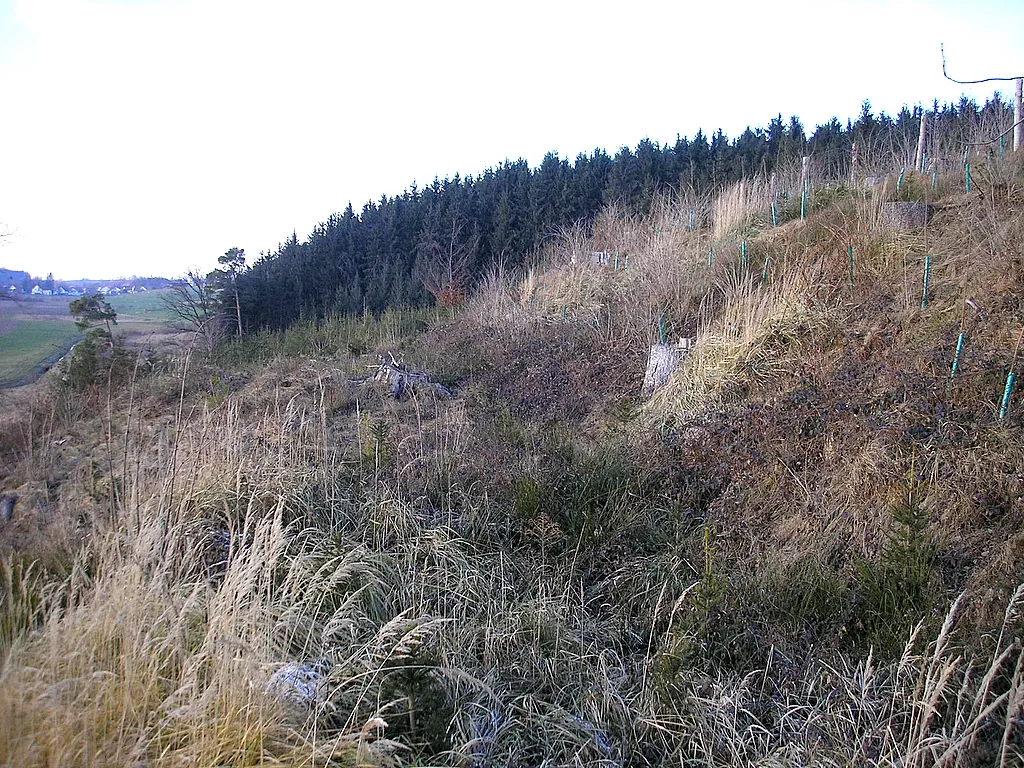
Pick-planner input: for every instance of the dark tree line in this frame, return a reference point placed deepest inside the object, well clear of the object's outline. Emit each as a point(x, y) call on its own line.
point(388, 254)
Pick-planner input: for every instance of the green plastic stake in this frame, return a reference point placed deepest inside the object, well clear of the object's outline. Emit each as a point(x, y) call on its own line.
point(967, 176)
point(711, 255)
point(927, 274)
point(924, 162)
point(616, 267)
point(764, 272)
point(691, 221)
point(849, 252)
point(743, 255)
point(899, 181)
point(661, 328)
point(1002, 147)
point(626, 266)
point(565, 311)
point(1005, 405)
point(775, 215)
point(935, 179)
point(803, 205)
point(956, 357)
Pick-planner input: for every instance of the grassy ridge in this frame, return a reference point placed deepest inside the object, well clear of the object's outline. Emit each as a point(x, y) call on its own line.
point(804, 549)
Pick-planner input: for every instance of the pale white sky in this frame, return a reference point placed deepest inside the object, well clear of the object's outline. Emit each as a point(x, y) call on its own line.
point(146, 137)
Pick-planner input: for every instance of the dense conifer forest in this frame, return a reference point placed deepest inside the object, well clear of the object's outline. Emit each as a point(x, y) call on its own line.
point(440, 239)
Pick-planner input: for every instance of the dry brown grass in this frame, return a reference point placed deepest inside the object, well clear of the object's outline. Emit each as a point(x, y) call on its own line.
point(148, 663)
point(746, 330)
point(843, 714)
point(431, 565)
point(738, 204)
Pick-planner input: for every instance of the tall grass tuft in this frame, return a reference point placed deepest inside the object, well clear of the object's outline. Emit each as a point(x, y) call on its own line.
point(737, 205)
point(746, 331)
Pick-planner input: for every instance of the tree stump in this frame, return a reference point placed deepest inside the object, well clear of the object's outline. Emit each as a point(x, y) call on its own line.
point(662, 361)
point(900, 216)
point(399, 379)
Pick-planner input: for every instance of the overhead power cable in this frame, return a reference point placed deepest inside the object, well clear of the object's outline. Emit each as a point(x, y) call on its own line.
point(942, 47)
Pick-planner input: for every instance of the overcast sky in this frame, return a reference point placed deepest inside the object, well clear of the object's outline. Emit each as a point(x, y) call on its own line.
point(147, 137)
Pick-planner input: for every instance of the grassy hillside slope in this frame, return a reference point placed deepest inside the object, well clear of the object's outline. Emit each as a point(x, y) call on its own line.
point(804, 549)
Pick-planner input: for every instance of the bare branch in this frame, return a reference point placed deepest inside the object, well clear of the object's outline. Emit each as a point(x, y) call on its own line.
point(194, 305)
point(994, 139)
point(448, 269)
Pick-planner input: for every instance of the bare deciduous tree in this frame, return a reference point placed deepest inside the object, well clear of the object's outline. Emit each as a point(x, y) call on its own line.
point(448, 261)
point(194, 305)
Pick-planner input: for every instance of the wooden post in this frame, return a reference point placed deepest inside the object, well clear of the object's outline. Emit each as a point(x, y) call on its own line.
point(853, 164)
point(919, 160)
point(804, 186)
point(1018, 116)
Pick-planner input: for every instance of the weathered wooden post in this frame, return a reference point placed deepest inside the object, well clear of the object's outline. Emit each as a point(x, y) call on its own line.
point(919, 160)
point(1018, 116)
point(804, 185)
